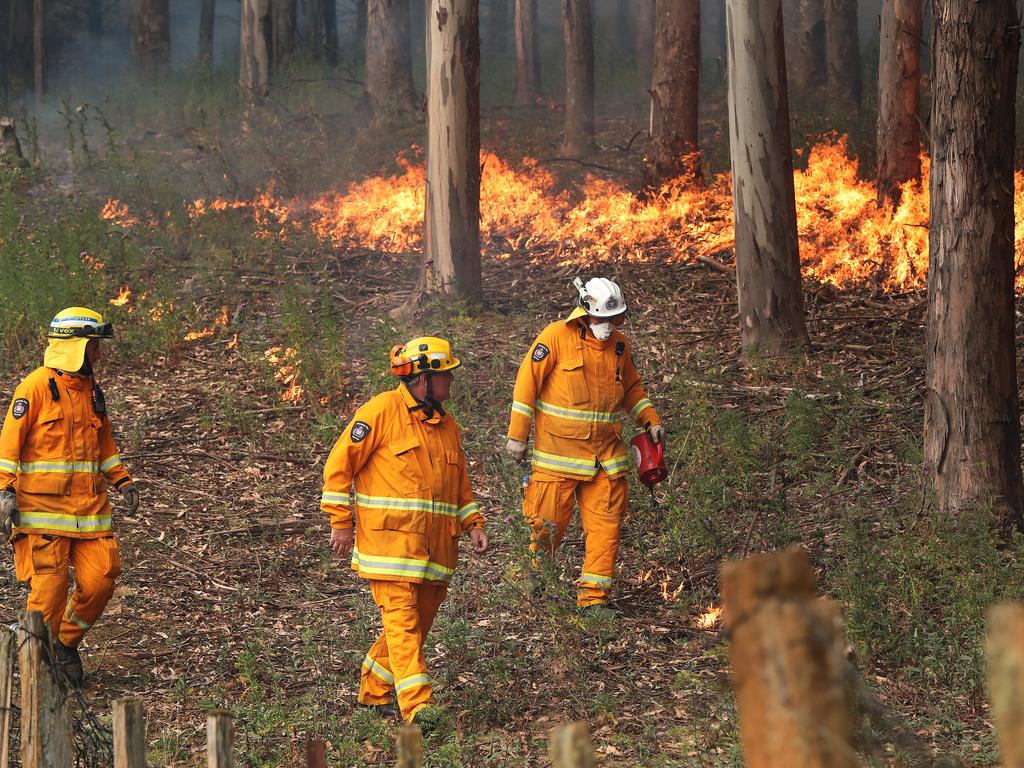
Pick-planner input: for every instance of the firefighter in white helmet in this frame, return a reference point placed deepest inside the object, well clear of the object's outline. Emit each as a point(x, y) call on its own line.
point(575, 380)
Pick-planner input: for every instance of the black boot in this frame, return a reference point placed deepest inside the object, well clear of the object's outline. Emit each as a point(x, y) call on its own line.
point(384, 710)
point(69, 662)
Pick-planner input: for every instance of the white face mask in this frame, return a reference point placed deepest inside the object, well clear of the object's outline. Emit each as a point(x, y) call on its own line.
point(601, 331)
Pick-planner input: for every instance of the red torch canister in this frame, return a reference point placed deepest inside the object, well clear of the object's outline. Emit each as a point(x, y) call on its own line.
point(650, 459)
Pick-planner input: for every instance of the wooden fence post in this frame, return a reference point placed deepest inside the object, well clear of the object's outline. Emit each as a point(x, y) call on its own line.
point(8, 644)
point(1005, 677)
point(316, 753)
point(45, 716)
point(410, 747)
point(129, 733)
point(570, 746)
point(218, 739)
point(786, 651)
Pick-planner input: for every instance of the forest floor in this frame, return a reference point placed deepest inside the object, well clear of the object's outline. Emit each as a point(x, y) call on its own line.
point(231, 598)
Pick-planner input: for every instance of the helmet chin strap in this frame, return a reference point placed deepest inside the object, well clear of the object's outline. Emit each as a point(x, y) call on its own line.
point(428, 404)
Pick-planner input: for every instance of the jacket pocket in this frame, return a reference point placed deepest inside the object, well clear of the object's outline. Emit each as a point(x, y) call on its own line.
point(111, 557)
point(575, 430)
point(405, 515)
point(575, 381)
point(45, 483)
point(38, 554)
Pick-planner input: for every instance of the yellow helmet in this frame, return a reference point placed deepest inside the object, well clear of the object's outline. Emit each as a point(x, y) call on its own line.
point(425, 353)
point(69, 332)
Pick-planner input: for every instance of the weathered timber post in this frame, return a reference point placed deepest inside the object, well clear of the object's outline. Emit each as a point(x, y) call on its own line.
point(218, 739)
point(570, 747)
point(786, 652)
point(316, 753)
point(8, 643)
point(45, 717)
point(410, 747)
point(1005, 651)
point(129, 733)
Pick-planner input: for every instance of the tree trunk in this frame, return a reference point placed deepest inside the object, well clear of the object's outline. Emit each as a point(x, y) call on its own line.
point(282, 25)
point(578, 33)
point(388, 61)
point(842, 50)
point(771, 300)
point(359, 43)
point(38, 47)
point(899, 98)
point(254, 55)
point(972, 427)
point(315, 28)
point(452, 222)
point(207, 15)
point(644, 35)
point(805, 43)
point(332, 50)
point(674, 93)
point(151, 36)
point(527, 53)
point(20, 70)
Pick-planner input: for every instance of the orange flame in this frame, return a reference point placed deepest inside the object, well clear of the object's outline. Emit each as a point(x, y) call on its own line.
point(221, 321)
point(124, 295)
point(285, 362)
point(709, 619)
point(117, 212)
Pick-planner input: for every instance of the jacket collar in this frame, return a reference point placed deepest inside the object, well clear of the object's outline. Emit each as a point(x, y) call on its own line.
point(71, 381)
point(411, 402)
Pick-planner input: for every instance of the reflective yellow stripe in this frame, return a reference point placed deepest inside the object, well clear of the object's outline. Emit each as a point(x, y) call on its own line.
point(329, 497)
point(413, 681)
point(376, 669)
point(61, 467)
point(644, 403)
point(616, 465)
point(467, 510)
point(522, 408)
point(109, 464)
point(398, 502)
point(595, 580)
point(71, 615)
point(543, 460)
point(10, 466)
point(401, 566)
point(576, 414)
point(59, 522)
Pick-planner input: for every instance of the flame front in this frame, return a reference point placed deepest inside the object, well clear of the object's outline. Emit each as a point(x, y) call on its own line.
point(709, 618)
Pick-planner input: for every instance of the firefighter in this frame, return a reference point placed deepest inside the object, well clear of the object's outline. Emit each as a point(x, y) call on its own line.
point(574, 381)
point(401, 461)
point(57, 455)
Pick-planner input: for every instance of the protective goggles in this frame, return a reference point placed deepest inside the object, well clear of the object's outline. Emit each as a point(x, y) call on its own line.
point(85, 331)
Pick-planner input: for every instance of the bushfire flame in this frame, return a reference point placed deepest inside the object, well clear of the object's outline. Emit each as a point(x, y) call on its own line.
point(221, 321)
point(124, 295)
point(845, 239)
point(285, 362)
point(709, 619)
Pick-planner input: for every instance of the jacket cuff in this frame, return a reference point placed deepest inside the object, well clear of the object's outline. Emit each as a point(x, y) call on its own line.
point(341, 517)
point(122, 483)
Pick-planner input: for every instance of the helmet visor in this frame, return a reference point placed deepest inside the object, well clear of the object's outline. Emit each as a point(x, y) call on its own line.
point(84, 331)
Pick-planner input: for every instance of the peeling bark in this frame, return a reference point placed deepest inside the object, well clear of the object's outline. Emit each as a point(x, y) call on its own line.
point(899, 98)
point(805, 43)
point(578, 33)
point(527, 89)
point(644, 35)
point(675, 93)
point(254, 54)
point(972, 420)
point(388, 59)
point(771, 302)
point(151, 36)
point(451, 243)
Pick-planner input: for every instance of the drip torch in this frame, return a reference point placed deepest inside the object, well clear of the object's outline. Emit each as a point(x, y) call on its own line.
point(650, 462)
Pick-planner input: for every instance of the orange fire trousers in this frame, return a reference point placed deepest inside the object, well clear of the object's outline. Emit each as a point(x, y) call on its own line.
point(43, 560)
point(547, 505)
point(395, 664)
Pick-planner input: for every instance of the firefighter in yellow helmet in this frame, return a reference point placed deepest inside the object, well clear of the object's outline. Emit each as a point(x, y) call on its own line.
point(400, 461)
point(57, 455)
point(574, 382)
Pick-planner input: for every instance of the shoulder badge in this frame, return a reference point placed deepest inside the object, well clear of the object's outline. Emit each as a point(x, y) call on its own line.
point(359, 431)
point(19, 408)
point(540, 352)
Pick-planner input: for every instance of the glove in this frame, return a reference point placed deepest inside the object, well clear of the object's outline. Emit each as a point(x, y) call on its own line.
point(657, 433)
point(516, 449)
point(130, 494)
point(8, 514)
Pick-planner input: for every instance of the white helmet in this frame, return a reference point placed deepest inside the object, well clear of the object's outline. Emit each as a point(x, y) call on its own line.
point(600, 297)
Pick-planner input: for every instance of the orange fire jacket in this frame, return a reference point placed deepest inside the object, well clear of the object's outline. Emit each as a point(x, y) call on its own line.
point(408, 477)
point(59, 455)
point(575, 386)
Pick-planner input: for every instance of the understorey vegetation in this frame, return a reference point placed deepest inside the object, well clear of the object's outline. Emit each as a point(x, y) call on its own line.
point(243, 348)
